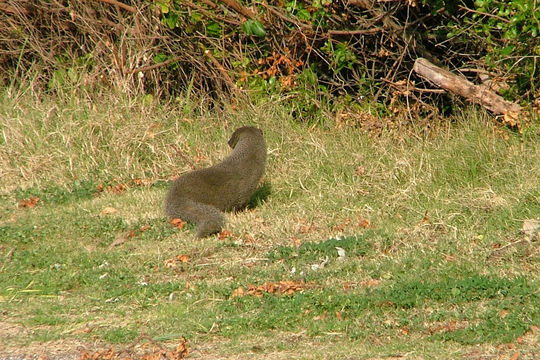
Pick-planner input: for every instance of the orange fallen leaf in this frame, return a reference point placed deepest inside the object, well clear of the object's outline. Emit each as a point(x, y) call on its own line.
point(503, 313)
point(322, 316)
point(144, 228)
point(287, 287)
point(182, 350)
point(365, 223)
point(449, 257)
point(342, 226)
point(84, 330)
point(178, 223)
point(28, 203)
point(404, 330)
point(109, 210)
point(117, 188)
point(425, 219)
point(240, 292)
point(122, 239)
point(183, 258)
point(225, 234)
point(170, 263)
point(359, 171)
point(153, 352)
point(515, 356)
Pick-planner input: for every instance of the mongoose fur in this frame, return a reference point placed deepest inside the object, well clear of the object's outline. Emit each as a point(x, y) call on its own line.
point(201, 196)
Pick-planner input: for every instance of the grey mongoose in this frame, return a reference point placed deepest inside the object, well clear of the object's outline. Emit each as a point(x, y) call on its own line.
point(200, 196)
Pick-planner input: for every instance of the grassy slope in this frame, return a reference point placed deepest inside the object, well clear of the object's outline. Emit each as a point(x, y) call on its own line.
point(441, 271)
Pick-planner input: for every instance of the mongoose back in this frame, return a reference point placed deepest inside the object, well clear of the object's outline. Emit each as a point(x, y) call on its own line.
point(201, 196)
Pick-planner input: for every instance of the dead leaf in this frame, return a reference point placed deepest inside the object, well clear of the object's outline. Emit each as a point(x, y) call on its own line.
point(504, 313)
point(153, 351)
point(240, 292)
point(425, 219)
point(342, 254)
point(323, 316)
point(225, 234)
point(182, 350)
point(84, 330)
point(183, 258)
point(321, 265)
point(511, 118)
point(304, 227)
point(144, 228)
point(107, 211)
point(359, 171)
point(178, 223)
point(530, 227)
point(365, 223)
point(287, 287)
point(170, 263)
point(117, 188)
point(122, 239)
point(28, 203)
point(449, 257)
point(341, 227)
point(515, 356)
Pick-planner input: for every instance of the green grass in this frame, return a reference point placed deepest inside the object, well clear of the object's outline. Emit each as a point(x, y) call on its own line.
point(442, 271)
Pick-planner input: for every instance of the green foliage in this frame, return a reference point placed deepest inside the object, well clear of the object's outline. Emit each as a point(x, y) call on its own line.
point(341, 54)
point(305, 309)
point(510, 30)
point(357, 245)
point(51, 194)
point(254, 27)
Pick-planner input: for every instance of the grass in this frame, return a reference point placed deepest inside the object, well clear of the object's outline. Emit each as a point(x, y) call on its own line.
point(435, 265)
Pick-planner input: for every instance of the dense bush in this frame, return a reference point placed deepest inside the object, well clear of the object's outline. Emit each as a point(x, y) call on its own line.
point(321, 50)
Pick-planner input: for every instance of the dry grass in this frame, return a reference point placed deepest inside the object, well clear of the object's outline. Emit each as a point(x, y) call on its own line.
point(447, 205)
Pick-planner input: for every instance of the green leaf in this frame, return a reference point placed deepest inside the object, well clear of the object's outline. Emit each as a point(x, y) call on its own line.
point(195, 17)
point(258, 29)
point(160, 58)
point(507, 50)
point(213, 28)
point(254, 27)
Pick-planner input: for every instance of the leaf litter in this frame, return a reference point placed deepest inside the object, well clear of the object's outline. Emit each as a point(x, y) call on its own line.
point(156, 351)
point(287, 287)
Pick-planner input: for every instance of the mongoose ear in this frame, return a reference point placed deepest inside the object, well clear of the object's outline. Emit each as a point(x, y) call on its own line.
point(234, 138)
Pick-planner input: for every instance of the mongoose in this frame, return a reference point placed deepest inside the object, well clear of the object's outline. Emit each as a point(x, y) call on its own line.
point(200, 196)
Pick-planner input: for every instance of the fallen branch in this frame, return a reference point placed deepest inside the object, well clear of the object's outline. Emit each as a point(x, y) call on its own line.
point(211, 15)
point(239, 8)
point(355, 32)
point(120, 5)
point(221, 69)
point(479, 94)
point(155, 66)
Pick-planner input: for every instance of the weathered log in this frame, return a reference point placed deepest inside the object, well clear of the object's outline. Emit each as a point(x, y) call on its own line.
point(479, 94)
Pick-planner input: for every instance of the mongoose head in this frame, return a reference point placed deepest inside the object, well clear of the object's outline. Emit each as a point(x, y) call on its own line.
point(238, 133)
